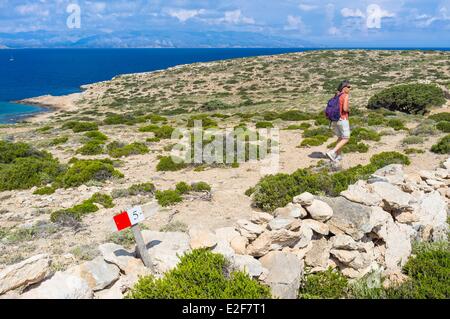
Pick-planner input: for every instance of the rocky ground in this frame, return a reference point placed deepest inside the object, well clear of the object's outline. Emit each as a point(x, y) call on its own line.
point(225, 215)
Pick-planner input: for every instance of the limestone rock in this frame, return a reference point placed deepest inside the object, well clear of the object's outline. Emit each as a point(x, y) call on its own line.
point(316, 226)
point(25, 273)
point(260, 246)
point(61, 286)
point(392, 174)
point(432, 210)
point(362, 193)
point(344, 256)
point(285, 273)
point(239, 244)
point(247, 227)
point(280, 223)
point(248, 264)
point(306, 235)
point(119, 256)
point(320, 210)
point(319, 254)
point(200, 238)
point(261, 218)
point(223, 247)
point(97, 273)
point(165, 247)
point(343, 242)
point(351, 218)
point(226, 233)
point(291, 211)
point(393, 197)
point(304, 199)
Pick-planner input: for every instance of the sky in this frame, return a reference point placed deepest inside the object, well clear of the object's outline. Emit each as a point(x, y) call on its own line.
point(350, 23)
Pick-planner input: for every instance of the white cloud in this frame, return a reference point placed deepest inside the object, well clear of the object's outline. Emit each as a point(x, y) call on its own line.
point(334, 31)
point(425, 20)
point(295, 23)
point(374, 15)
point(348, 13)
point(307, 7)
point(32, 9)
point(183, 15)
point(236, 17)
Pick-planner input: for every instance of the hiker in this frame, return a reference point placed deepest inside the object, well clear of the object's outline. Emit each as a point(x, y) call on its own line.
point(338, 111)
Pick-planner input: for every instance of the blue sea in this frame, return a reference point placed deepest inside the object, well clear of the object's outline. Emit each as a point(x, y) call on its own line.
point(33, 72)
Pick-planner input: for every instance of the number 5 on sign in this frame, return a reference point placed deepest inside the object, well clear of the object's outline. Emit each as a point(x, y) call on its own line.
point(136, 215)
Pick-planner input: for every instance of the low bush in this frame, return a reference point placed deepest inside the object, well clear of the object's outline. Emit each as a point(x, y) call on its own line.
point(424, 129)
point(59, 140)
point(78, 211)
point(168, 197)
point(117, 150)
point(443, 126)
point(442, 146)
point(264, 125)
point(412, 140)
point(163, 132)
point(83, 171)
point(329, 284)
point(364, 134)
point(294, 115)
point(322, 131)
point(77, 126)
point(408, 98)
point(303, 126)
point(47, 190)
point(413, 151)
point(204, 119)
point(166, 163)
point(314, 141)
point(200, 187)
point(396, 124)
point(183, 188)
point(93, 147)
point(96, 135)
point(200, 274)
point(439, 117)
point(375, 119)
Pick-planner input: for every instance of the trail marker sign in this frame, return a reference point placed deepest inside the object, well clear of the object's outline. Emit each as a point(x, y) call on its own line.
point(131, 218)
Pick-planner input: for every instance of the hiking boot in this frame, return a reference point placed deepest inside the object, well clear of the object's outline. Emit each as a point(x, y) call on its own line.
point(331, 155)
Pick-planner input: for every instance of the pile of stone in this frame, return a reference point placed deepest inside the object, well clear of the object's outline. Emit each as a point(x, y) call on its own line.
point(370, 227)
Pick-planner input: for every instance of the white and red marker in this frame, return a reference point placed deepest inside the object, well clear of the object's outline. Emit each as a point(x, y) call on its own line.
point(129, 218)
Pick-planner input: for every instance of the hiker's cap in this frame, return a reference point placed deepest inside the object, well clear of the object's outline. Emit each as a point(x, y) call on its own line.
point(343, 85)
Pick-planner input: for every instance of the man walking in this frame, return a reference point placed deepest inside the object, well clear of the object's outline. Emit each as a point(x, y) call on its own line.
point(342, 126)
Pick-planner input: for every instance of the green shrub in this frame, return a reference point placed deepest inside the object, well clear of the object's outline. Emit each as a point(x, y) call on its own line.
point(83, 171)
point(27, 172)
point(166, 163)
point(96, 135)
point(408, 98)
point(322, 131)
point(153, 139)
point(86, 207)
point(215, 105)
point(294, 115)
point(11, 151)
point(428, 272)
point(396, 124)
point(386, 158)
point(59, 140)
point(201, 187)
point(200, 274)
point(163, 132)
point(413, 151)
point(303, 126)
point(275, 191)
point(116, 149)
point(424, 129)
point(168, 197)
point(47, 190)
point(375, 119)
point(412, 140)
point(264, 125)
point(44, 129)
point(443, 126)
point(77, 126)
point(117, 119)
point(102, 199)
point(91, 148)
point(364, 134)
point(439, 117)
point(141, 189)
point(329, 284)
point(205, 120)
point(155, 118)
point(183, 188)
point(442, 146)
point(314, 141)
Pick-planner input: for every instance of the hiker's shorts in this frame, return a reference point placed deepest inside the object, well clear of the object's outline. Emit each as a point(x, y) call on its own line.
point(342, 128)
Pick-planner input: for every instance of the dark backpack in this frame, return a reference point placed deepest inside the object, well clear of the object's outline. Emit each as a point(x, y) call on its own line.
point(333, 110)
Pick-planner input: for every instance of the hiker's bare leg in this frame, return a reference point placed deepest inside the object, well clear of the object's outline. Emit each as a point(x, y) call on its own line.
point(341, 143)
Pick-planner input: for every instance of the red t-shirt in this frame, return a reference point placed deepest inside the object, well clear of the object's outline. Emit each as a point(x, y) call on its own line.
point(343, 101)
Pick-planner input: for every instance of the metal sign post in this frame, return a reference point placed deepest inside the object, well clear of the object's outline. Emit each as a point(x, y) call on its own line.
point(131, 218)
